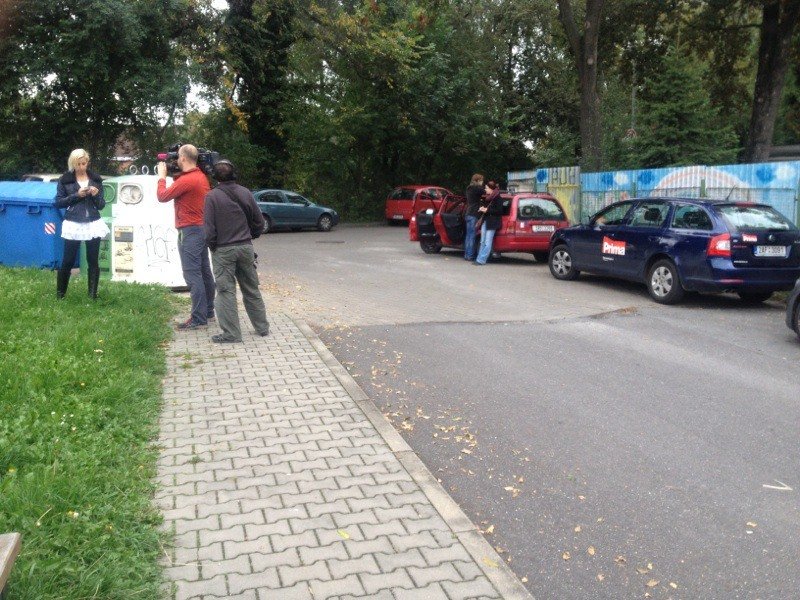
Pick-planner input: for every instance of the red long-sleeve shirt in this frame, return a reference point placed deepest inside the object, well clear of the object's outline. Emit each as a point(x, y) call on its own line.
point(189, 191)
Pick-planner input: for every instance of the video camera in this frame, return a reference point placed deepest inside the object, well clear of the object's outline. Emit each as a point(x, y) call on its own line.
point(206, 159)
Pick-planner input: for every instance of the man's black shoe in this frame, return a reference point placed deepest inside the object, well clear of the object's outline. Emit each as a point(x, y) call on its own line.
point(189, 324)
point(221, 339)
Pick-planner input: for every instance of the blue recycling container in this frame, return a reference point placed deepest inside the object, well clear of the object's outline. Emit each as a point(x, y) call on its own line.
point(30, 225)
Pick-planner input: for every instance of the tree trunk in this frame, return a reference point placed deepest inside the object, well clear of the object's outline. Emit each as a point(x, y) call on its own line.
point(591, 130)
point(584, 48)
point(779, 18)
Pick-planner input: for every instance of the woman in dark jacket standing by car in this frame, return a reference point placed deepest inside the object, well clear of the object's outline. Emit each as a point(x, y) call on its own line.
point(80, 191)
point(473, 195)
point(492, 220)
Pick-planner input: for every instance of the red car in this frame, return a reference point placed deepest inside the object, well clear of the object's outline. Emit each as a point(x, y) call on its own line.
point(401, 201)
point(529, 221)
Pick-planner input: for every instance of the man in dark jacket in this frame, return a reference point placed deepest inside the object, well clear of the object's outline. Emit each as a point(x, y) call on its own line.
point(473, 194)
point(231, 220)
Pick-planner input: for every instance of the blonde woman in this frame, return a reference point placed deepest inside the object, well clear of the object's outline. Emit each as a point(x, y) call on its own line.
point(80, 191)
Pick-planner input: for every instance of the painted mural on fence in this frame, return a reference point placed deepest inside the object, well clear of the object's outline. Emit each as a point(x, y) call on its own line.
point(776, 184)
point(563, 182)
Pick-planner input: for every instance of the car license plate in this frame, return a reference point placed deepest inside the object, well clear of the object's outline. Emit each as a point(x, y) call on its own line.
point(774, 251)
point(543, 228)
point(397, 216)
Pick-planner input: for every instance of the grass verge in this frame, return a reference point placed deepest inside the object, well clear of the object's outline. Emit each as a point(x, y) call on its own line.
point(80, 391)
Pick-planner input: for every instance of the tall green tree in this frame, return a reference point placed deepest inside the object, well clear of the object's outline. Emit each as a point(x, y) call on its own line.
point(79, 74)
point(583, 42)
point(391, 93)
point(256, 39)
point(536, 82)
point(679, 124)
point(779, 20)
point(787, 126)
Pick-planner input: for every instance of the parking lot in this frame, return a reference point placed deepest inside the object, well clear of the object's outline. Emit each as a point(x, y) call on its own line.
point(358, 276)
point(609, 446)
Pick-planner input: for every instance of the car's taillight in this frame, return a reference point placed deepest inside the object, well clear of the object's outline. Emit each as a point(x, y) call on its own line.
point(720, 245)
point(413, 218)
point(511, 226)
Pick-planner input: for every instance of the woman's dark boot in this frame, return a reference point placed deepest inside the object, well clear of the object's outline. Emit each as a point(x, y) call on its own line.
point(62, 281)
point(94, 278)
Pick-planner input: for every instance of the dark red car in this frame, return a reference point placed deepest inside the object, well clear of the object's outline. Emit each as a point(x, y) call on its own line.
point(401, 201)
point(529, 221)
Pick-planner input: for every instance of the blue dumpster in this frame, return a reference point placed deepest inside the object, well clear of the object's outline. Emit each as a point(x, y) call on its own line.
point(30, 225)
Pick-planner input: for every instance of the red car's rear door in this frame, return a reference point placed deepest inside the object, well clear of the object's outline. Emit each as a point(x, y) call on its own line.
point(537, 218)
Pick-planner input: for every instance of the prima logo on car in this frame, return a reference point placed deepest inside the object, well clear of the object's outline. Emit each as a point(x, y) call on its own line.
point(613, 247)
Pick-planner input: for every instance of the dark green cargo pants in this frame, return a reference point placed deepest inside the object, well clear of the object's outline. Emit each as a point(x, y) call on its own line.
point(236, 264)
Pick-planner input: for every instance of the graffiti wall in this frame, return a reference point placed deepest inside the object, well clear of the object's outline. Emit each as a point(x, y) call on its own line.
point(776, 184)
point(563, 182)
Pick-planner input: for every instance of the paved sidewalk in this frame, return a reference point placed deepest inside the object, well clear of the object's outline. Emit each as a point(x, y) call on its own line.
point(281, 480)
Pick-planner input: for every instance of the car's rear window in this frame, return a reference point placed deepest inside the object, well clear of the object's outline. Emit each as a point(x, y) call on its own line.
point(539, 209)
point(295, 198)
point(691, 216)
point(746, 216)
point(402, 194)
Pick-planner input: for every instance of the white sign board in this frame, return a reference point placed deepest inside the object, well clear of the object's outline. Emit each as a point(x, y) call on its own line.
point(144, 241)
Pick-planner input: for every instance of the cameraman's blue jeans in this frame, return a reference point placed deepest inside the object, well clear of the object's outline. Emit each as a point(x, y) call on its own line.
point(197, 272)
point(487, 237)
point(470, 249)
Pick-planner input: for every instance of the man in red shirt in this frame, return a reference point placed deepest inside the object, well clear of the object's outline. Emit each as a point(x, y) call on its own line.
point(189, 190)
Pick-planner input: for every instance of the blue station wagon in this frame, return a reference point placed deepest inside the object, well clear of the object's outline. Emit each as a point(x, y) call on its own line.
point(675, 245)
point(285, 209)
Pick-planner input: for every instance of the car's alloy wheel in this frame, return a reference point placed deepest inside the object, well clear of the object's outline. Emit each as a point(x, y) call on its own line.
point(325, 223)
point(267, 224)
point(664, 284)
point(561, 264)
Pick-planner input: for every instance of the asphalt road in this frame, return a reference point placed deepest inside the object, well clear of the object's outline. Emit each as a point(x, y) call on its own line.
point(609, 446)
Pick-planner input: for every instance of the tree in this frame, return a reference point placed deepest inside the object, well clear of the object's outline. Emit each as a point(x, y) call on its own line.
point(256, 40)
point(391, 93)
point(679, 124)
point(80, 74)
point(787, 126)
point(584, 49)
point(218, 129)
point(778, 22)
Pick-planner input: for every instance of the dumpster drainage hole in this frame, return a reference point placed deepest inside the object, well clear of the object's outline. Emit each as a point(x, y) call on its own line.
point(330, 242)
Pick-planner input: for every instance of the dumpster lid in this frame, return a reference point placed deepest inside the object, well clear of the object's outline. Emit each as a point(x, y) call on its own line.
point(31, 192)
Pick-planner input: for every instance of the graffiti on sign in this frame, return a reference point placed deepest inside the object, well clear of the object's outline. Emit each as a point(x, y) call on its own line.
point(160, 243)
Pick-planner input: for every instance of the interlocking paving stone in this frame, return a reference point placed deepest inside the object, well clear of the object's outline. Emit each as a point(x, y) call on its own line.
point(278, 486)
